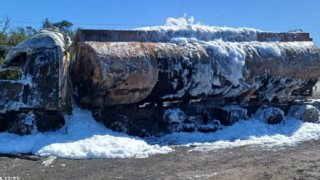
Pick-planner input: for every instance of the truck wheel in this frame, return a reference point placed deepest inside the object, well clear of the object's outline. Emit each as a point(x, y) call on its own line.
point(174, 116)
point(120, 124)
point(173, 127)
point(23, 124)
point(212, 126)
point(275, 117)
point(48, 120)
point(270, 115)
point(310, 115)
point(306, 113)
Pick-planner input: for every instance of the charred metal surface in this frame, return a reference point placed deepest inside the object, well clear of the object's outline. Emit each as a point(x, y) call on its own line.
point(292, 60)
point(169, 59)
point(150, 119)
point(298, 68)
point(118, 36)
point(152, 36)
point(10, 95)
point(43, 92)
point(48, 120)
point(228, 117)
point(284, 36)
point(26, 122)
point(106, 74)
point(34, 80)
point(306, 89)
point(110, 68)
point(266, 74)
point(42, 60)
point(43, 83)
point(127, 75)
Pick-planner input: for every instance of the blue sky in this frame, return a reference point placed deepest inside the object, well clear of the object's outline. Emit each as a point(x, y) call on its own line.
point(266, 15)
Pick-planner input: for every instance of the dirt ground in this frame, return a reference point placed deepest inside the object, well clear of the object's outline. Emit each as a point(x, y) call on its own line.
point(247, 162)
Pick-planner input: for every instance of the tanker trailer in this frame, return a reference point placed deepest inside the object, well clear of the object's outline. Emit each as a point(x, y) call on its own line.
point(33, 83)
point(142, 81)
point(146, 81)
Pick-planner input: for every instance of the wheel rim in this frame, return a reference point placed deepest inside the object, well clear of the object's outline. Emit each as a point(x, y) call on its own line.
point(310, 115)
point(119, 126)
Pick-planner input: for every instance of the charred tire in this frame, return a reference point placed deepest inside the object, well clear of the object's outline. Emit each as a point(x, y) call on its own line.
point(23, 124)
point(275, 118)
point(190, 126)
point(48, 120)
point(270, 115)
point(119, 124)
point(311, 115)
point(174, 116)
point(173, 127)
point(144, 133)
point(212, 126)
point(20, 128)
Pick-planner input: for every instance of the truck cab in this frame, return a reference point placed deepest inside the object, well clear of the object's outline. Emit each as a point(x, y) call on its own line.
point(34, 77)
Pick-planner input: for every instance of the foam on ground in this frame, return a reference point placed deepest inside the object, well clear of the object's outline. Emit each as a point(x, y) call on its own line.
point(81, 138)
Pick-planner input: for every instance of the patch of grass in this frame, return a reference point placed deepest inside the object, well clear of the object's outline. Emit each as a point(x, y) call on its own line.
point(10, 74)
point(1, 60)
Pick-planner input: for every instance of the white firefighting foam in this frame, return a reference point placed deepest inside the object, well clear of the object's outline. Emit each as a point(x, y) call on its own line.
point(229, 46)
point(80, 138)
point(84, 138)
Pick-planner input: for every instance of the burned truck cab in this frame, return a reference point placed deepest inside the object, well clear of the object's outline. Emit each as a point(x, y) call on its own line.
point(34, 82)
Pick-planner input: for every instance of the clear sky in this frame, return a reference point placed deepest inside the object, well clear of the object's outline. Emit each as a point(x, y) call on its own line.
point(266, 15)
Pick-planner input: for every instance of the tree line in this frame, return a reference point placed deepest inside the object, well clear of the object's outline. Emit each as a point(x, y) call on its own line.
point(11, 36)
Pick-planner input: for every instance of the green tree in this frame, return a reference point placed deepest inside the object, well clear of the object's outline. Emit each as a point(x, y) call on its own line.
point(14, 36)
point(4, 25)
point(30, 31)
point(64, 25)
point(3, 52)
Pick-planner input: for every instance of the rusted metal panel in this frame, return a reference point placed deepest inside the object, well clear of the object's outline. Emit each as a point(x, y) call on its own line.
point(294, 62)
point(152, 36)
point(178, 66)
point(280, 75)
point(107, 74)
point(118, 36)
point(108, 71)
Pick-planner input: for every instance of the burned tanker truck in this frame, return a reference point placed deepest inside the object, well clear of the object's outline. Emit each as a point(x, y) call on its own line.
point(159, 80)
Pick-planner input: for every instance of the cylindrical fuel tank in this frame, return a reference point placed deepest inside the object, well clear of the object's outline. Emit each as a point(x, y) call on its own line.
point(114, 68)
